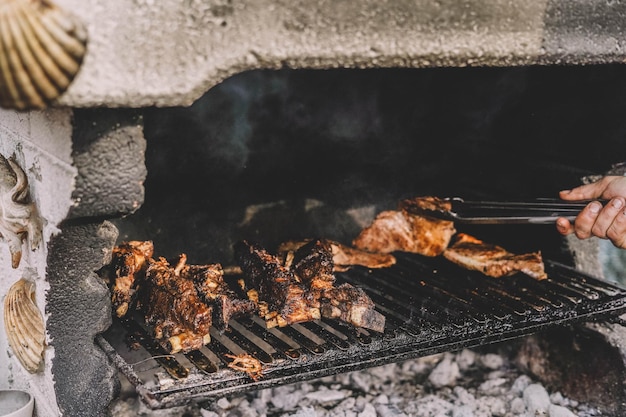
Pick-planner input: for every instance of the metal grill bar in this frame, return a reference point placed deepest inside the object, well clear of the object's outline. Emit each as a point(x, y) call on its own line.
point(430, 305)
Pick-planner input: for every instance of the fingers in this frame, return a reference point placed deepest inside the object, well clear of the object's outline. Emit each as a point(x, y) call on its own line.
point(607, 187)
point(585, 192)
point(586, 220)
point(605, 216)
point(564, 227)
point(616, 232)
point(608, 222)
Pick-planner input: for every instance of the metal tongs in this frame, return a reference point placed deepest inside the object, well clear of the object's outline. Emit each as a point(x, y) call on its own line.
point(538, 211)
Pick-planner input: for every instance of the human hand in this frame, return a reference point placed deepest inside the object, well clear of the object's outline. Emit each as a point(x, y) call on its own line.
point(605, 222)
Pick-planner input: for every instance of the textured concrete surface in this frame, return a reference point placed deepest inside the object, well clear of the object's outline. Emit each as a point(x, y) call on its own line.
point(108, 153)
point(168, 52)
point(81, 168)
point(79, 308)
point(41, 144)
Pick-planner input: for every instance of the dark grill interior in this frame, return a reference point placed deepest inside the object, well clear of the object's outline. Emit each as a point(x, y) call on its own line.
point(302, 148)
point(431, 306)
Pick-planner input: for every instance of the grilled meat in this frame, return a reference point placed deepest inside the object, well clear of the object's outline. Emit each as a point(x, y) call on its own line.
point(415, 205)
point(313, 265)
point(492, 260)
point(275, 284)
point(307, 273)
point(180, 302)
point(352, 305)
point(400, 230)
point(246, 363)
point(344, 257)
point(129, 263)
point(215, 292)
point(172, 306)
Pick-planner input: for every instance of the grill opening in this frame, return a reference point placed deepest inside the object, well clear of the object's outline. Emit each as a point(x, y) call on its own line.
point(277, 155)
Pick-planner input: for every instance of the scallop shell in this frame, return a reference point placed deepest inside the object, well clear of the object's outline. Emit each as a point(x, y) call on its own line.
point(41, 50)
point(24, 325)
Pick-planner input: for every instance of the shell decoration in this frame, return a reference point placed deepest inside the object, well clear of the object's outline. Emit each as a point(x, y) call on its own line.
point(19, 217)
point(41, 51)
point(24, 325)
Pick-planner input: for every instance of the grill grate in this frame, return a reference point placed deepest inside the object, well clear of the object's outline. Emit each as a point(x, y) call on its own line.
point(431, 306)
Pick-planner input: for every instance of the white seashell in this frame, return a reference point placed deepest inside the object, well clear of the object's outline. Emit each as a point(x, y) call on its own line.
point(24, 325)
point(41, 50)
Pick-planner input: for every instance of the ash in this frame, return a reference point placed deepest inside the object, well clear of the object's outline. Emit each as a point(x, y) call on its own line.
point(468, 383)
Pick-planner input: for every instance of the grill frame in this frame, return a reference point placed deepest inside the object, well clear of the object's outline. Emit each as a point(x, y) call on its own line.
point(448, 309)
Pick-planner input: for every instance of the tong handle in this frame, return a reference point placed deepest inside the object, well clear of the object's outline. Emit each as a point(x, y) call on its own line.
point(539, 211)
point(547, 204)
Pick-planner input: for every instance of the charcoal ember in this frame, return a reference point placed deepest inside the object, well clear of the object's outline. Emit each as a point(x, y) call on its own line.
point(126, 269)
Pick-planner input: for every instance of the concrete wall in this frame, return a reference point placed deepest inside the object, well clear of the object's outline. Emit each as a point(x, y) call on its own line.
point(82, 169)
point(169, 52)
point(41, 143)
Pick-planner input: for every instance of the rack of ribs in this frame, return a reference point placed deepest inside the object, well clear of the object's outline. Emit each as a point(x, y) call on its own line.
point(301, 286)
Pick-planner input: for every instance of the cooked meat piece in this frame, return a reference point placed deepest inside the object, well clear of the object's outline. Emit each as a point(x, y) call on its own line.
point(172, 306)
point(344, 256)
point(352, 305)
point(399, 230)
point(415, 205)
point(215, 292)
point(128, 264)
point(276, 285)
point(181, 303)
point(246, 363)
point(311, 267)
point(493, 260)
point(186, 342)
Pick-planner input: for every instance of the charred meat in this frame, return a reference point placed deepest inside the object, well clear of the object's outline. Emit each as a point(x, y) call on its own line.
point(417, 205)
point(275, 285)
point(180, 302)
point(352, 305)
point(170, 303)
point(492, 260)
point(307, 274)
point(344, 257)
point(215, 292)
point(129, 263)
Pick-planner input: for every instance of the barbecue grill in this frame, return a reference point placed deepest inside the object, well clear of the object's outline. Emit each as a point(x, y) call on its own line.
point(196, 124)
point(430, 307)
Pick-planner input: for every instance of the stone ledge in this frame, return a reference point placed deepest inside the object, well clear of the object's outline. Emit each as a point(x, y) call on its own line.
point(165, 53)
